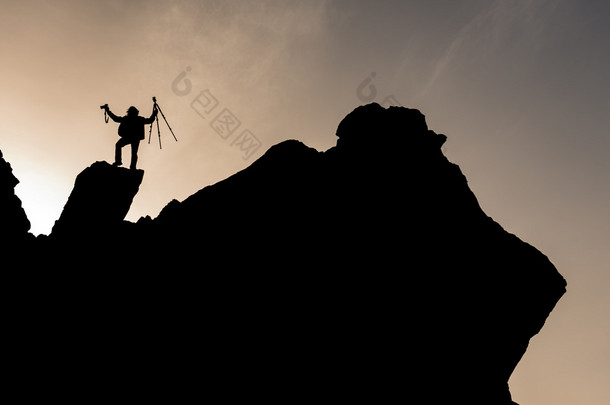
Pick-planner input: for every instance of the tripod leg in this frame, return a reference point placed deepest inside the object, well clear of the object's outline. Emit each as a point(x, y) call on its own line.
point(167, 123)
point(150, 133)
point(159, 132)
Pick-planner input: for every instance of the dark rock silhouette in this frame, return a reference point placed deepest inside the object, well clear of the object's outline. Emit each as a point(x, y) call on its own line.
point(379, 243)
point(366, 272)
point(14, 224)
point(99, 202)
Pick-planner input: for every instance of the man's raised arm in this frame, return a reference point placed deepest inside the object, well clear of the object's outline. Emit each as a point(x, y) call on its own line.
point(114, 117)
point(151, 119)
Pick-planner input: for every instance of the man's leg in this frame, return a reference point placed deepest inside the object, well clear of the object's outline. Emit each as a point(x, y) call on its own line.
point(134, 153)
point(117, 151)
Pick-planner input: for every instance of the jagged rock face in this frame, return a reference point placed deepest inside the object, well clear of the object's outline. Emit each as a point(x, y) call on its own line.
point(99, 202)
point(366, 273)
point(14, 224)
point(379, 246)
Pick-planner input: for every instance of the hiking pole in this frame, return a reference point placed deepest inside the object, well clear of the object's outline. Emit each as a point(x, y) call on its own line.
point(164, 119)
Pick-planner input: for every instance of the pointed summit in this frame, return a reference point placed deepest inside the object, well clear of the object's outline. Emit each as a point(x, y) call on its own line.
point(14, 223)
point(100, 200)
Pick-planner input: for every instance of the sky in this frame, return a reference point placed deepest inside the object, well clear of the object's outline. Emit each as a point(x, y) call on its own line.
point(520, 87)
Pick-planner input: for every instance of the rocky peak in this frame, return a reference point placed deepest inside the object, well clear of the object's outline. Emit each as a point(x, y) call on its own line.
point(407, 271)
point(393, 130)
point(14, 224)
point(99, 202)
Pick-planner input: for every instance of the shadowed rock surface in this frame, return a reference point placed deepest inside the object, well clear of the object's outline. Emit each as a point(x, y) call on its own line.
point(99, 202)
point(14, 224)
point(365, 272)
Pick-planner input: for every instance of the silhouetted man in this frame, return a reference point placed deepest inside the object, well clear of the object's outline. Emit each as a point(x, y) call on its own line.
point(131, 131)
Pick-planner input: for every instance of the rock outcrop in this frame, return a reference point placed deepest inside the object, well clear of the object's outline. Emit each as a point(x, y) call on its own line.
point(379, 245)
point(367, 272)
point(14, 224)
point(99, 202)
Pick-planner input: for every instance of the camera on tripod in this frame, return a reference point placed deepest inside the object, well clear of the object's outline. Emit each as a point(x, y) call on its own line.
point(157, 118)
point(103, 106)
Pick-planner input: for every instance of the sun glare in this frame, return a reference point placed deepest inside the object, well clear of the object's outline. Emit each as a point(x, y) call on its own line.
point(42, 197)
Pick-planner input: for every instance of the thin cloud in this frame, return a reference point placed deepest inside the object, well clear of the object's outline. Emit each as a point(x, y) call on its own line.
point(502, 23)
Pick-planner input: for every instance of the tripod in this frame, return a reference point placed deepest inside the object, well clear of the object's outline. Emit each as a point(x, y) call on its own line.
point(158, 130)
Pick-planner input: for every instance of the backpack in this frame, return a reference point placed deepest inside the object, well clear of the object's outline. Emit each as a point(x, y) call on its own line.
point(123, 129)
point(130, 128)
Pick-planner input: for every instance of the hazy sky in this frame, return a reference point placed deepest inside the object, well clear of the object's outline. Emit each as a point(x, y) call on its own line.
point(520, 87)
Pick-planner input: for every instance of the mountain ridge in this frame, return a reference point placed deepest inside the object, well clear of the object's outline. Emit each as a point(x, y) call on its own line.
point(370, 264)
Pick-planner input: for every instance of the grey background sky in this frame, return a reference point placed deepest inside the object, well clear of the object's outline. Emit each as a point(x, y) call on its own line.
point(520, 87)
